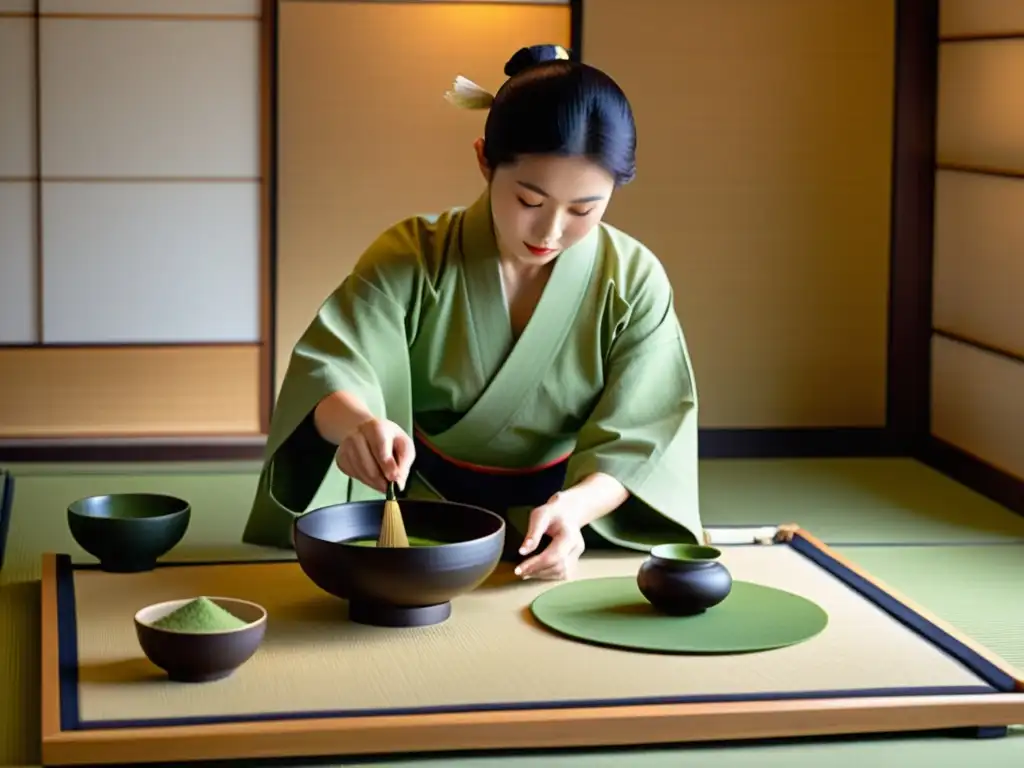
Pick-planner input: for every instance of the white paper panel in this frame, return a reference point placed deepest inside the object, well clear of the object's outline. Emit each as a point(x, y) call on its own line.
point(151, 262)
point(979, 258)
point(973, 17)
point(144, 99)
point(17, 6)
point(981, 104)
point(181, 7)
point(978, 403)
point(17, 98)
point(17, 263)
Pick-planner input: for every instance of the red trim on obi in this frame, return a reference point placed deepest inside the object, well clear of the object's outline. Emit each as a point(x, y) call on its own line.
point(488, 470)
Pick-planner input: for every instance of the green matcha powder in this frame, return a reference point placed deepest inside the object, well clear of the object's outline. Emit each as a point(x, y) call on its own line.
point(199, 615)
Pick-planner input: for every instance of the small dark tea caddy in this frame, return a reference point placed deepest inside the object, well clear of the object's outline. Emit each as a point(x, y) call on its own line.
point(684, 579)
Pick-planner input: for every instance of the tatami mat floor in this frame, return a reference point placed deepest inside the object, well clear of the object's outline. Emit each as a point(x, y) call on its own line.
point(943, 546)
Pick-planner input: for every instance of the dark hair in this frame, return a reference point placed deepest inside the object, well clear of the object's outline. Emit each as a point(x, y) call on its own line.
point(550, 105)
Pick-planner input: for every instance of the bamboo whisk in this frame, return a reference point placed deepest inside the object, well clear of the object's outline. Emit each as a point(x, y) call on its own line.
point(392, 528)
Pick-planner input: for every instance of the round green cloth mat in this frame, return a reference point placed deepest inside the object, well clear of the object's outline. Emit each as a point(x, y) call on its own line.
point(613, 612)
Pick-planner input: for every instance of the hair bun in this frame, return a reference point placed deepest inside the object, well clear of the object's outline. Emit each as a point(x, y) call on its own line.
point(525, 58)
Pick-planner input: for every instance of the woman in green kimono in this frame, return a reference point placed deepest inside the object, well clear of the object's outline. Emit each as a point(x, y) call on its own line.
point(519, 354)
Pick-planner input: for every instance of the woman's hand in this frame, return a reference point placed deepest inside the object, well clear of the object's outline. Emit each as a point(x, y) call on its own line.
point(371, 450)
point(376, 452)
point(560, 521)
point(562, 518)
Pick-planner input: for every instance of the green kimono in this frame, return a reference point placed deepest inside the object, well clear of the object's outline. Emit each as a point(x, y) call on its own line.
point(420, 332)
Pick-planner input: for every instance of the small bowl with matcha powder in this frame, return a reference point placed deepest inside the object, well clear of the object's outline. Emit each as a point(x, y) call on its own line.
point(200, 639)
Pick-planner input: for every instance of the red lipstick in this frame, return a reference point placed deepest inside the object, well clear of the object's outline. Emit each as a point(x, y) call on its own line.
point(539, 251)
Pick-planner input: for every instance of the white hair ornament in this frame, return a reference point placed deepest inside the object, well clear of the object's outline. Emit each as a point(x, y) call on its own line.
point(466, 94)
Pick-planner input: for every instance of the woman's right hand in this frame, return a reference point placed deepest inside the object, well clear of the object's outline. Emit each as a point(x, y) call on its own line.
point(375, 453)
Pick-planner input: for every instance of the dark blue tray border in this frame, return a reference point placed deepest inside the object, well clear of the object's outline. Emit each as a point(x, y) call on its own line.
point(997, 680)
point(6, 509)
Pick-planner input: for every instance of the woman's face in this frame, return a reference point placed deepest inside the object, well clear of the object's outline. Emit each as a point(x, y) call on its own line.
point(544, 204)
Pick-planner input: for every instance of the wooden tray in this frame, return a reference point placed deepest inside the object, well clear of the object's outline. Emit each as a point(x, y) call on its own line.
point(490, 678)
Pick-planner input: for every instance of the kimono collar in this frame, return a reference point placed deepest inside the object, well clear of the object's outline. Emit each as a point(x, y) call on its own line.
point(478, 236)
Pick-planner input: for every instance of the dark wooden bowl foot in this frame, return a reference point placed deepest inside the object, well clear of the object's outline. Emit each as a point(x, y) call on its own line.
point(383, 615)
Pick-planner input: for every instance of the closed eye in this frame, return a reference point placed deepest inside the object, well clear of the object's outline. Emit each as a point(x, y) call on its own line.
point(581, 214)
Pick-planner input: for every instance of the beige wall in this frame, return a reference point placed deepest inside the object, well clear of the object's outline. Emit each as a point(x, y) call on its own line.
point(366, 137)
point(132, 249)
point(765, 132)
point(978, 396)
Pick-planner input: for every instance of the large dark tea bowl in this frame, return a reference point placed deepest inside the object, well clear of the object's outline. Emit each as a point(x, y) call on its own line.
point(201, 656)
point(684, 579)
point(454, 548)
point(127, 532)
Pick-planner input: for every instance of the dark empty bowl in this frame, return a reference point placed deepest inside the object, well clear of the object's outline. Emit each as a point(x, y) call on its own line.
point(684, 579)
point(455, 548)
point(201, 656)
point(127, 532)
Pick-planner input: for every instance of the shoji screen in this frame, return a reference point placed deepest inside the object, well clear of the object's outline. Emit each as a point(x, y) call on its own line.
point(764, 174)
point(132, 161)
point(17, 177)
point(366, 137)
point(978, 345)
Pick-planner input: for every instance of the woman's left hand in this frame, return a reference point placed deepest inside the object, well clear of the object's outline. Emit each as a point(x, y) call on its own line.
point(559, 519)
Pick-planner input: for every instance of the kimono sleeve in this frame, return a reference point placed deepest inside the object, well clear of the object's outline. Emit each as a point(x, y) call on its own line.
point(358, 342)
point(643, 428)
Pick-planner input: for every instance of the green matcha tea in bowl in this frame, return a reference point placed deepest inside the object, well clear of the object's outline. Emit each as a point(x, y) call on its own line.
point(200, 639)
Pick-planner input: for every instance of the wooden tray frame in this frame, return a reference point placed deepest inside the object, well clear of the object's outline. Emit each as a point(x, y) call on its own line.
point(598, 726)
